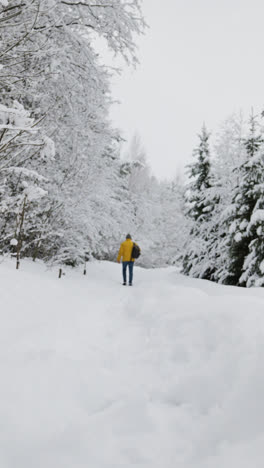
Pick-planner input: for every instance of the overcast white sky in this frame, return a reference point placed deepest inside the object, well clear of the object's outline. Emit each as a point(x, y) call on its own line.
point(201, 60)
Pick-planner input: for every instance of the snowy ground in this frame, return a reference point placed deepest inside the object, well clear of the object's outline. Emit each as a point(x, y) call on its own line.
point(167, 374)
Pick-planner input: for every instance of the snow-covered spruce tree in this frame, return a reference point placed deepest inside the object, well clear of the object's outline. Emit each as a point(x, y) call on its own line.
point(199, 173)
point(241, 224)
point(253, 267)
point(201, 199)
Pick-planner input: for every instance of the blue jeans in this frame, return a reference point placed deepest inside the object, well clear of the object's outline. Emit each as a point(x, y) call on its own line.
point(130, 268)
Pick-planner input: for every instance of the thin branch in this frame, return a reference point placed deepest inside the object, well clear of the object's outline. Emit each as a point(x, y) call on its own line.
point(63, 25)
point(3, 133)
point(12, 8)
point(6, 18)
point(27, 144)
point(5, 145)
point(85, 4)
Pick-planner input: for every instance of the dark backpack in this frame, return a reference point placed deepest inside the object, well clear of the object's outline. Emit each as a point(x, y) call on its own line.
point(135, 251)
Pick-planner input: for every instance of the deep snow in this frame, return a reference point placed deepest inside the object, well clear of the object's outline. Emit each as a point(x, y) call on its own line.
point(167, 374)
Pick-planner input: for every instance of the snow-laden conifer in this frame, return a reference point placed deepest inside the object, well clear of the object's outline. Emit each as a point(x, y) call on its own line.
point(200, 202)
point(245, 200)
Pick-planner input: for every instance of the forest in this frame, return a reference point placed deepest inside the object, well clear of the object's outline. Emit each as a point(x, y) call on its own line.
point(68, 195)
point(65, 193)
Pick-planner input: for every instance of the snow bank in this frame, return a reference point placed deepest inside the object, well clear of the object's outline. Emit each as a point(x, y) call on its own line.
point(167, 374)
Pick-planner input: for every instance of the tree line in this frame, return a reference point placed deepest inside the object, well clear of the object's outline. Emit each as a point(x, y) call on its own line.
point(65, 193)
point(224, 202)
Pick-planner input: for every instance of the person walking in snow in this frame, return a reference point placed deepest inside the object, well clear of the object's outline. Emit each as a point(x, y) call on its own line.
point(128, 252)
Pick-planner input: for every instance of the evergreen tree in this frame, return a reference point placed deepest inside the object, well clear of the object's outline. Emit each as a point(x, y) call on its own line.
point(245, 197)
point(199, 173)
point(253, 267)
point(200, 202)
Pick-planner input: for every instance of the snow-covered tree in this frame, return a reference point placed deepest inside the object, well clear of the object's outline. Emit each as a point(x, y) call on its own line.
point(229, 153)
point(199, 173)
point(171, 227)
point(253, 267)
point(50, 68)
point(137, 184)
point(237, 216)
point(21, 187)
point(201, 199)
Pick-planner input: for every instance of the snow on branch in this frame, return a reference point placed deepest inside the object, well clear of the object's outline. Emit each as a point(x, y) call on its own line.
point(15, 118)
point(228, 211)
point(256, 218)
point(48, 149)
point(28, 173)
point(35, 193)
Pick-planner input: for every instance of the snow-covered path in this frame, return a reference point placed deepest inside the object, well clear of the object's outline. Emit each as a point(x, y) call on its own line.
point(167, 374)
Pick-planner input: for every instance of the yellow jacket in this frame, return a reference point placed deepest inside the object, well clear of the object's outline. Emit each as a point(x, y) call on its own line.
point(125, 251)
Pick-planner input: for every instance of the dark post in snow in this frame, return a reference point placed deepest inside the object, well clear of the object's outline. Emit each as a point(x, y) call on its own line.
point(60, 272)
point(84, 270)
point(20, 233)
